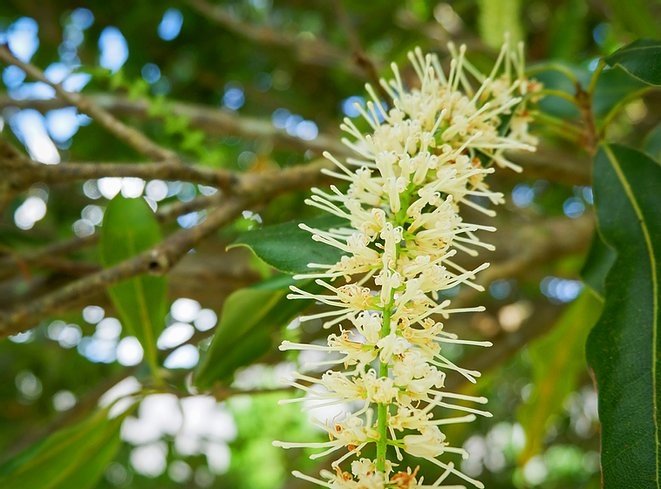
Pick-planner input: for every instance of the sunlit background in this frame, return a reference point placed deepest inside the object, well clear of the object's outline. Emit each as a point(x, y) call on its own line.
point(169, 434)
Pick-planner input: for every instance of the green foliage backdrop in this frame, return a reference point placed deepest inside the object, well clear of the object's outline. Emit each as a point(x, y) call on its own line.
point(167, 312)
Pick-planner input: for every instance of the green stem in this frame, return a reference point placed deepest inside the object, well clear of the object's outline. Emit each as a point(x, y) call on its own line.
point(595, 77)
point(550, 92)
point(382, 409)
point(553, 66)
point(565, 129)
point(617, 108)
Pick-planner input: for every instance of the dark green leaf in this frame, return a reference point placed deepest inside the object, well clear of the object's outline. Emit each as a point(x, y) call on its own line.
point(130, 227)
point(641, 59)
point(76, 456)
point(248, 328)
point(558, 362)
point(652, 143)
point(613, 87)
point(598, 263)
point(288, 248)
point(624, 347)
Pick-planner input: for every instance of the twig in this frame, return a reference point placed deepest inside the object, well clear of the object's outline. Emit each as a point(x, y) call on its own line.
point(306, 50)
point(359, 53)
point(507, 344)
point(213, 121)
point(127, 134)
point(547, 162)
point(22, 177)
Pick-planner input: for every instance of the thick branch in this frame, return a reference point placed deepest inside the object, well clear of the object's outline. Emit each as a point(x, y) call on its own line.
point(547, 162)
point(155, 260)
point(12, 263)
point(23, 176)
point(520, 250)
point(213, 121)
point(161, 258)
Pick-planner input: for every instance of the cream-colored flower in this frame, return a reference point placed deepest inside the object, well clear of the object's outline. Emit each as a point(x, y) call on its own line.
point(421, 161)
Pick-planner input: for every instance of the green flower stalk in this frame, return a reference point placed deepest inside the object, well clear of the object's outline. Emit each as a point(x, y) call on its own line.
point(422, 160)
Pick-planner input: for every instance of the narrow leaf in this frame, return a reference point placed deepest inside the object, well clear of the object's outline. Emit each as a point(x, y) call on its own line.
point(76, 456)
point(624, 347)
point(130, 227)
point(558, 362)
point(248, 328)
point(288, 248)
point(641, 59)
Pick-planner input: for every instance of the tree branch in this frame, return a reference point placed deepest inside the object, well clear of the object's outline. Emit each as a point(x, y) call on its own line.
point(127, 134)
point(307, 50)
point(23, 176)
point(12, 263)
point(213, 121)
point(161, 258)
point(549, 163)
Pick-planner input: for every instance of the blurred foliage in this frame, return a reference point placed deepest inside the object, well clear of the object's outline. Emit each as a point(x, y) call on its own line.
point(296, 66)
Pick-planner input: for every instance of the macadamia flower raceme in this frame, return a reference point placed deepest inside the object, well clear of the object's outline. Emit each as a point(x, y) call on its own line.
point(422, 160)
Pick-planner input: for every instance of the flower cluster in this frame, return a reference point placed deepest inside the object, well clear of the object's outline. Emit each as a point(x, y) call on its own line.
point(421, 159)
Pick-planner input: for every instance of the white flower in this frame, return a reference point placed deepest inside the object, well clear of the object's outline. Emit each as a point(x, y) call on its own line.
point(423, 159)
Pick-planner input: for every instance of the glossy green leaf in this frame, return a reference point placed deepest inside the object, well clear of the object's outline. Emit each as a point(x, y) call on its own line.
point(130, 227)
point(248, 329)
point(641, 59)
point(74, 457)
point(613, 87)
point(288, 248)
point(624, 347)
point(558, 362)
point(598, 263)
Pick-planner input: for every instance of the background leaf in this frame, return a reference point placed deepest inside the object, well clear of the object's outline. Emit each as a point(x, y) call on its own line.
point(558, 362)
point(624, 346)
point(613, 87)
point(635, 15)
point(641, 59)
point(76, 456)
point(288, 248)
point(568, 22)
point(248, 329)
point(130, 227)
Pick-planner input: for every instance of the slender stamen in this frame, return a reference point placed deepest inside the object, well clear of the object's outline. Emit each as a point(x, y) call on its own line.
point(421, 162)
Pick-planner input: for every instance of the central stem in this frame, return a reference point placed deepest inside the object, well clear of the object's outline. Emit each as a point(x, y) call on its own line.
point(382, 409)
